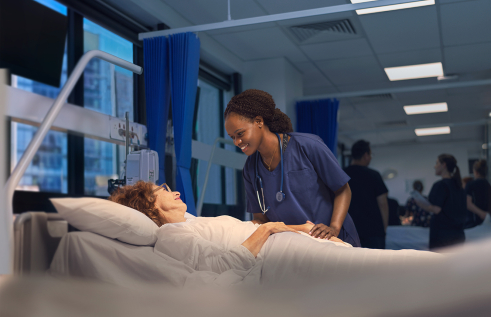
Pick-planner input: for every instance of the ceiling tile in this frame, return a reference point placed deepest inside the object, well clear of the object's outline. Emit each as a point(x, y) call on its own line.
point(402, 30)
point(261, 44)
point(467, 58)
point(337, 50)
point(212, 11)
point(411, 57)
point(386, 112)
point(353, 70)
point(429, 119)
point(318, 90)
point(466, 22)
point(275, 6)
point(315, 78)
point(306, 67)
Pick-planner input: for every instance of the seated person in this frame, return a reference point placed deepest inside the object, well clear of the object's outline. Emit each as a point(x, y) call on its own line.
point(222, 243)
point(416, 215)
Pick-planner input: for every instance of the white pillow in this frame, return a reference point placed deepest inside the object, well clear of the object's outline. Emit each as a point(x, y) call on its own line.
point(108, 219)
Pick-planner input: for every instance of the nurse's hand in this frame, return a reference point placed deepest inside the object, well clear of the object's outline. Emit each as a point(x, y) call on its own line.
point(322, 231)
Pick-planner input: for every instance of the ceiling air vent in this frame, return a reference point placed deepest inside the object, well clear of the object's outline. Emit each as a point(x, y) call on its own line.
point(306, 31)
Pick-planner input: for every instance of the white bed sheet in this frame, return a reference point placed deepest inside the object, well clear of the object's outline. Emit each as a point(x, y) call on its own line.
point(285, 257)
point(417, 238)
point(88, 255)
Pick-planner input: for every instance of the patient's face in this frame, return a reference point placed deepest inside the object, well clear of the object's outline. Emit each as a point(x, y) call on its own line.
point(170, 203)
point(245, 133)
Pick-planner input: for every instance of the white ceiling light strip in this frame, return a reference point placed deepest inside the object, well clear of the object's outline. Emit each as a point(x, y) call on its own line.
point(274, 18)
point(427, 108)
point(432, 131)
point(401, 6)
point(414, 71)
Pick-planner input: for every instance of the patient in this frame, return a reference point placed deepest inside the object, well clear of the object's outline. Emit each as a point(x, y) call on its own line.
point(213, 243)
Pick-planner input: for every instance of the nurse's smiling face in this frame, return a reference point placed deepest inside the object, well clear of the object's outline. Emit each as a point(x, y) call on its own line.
point(247, 134)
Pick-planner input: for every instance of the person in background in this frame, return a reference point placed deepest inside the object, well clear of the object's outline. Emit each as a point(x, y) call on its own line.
point(447, 202)
point(394, 219)
point(478, 195)
point(419, 217)
point(369, 206)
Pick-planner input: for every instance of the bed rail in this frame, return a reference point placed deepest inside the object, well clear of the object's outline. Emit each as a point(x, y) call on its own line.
point(36, 238)
point(6, 262)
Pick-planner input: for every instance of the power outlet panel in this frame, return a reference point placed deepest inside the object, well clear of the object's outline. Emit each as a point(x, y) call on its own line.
point(118, 131)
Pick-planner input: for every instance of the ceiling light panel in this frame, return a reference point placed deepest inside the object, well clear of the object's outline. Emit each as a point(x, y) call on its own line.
point(414, 71)
point(427, 108)
point(393, 7)
point(432, 131)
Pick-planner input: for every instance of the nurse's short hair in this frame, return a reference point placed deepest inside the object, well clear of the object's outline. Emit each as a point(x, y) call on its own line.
point(359, 149)
point(140, 196)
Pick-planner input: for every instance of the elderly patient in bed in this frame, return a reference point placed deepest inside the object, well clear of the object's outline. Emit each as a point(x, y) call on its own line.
point(223, 243)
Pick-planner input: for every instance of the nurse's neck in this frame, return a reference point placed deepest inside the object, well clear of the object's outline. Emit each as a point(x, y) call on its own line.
point(268, 144)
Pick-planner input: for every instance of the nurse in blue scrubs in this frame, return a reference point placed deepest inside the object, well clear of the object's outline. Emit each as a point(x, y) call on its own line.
point(289, 177)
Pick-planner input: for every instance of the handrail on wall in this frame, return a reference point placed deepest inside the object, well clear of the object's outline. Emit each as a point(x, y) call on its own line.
point(210, 161)
point(31, 150)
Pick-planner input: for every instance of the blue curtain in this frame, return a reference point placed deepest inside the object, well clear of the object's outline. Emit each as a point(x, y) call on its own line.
point(183, 70)
point(157, 93)
point(319, 117)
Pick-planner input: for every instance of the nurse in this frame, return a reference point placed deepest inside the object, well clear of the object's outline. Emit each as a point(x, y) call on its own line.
point(289, 177)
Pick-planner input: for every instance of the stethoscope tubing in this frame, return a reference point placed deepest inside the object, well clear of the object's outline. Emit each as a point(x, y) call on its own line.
point(280, 196)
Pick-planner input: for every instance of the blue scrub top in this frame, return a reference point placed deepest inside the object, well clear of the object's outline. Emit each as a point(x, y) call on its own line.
point(311, 176)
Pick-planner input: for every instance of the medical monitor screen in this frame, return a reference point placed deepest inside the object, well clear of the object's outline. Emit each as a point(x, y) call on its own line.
point(32, 40)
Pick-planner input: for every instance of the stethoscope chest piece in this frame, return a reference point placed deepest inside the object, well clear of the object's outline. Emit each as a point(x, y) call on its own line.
point(280, 196)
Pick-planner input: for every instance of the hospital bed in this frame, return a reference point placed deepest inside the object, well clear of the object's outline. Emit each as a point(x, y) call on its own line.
point(417, 238)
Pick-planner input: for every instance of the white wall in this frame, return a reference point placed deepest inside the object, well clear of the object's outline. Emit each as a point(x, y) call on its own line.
point(277, 77)
point(416, 161)
point(5, 219)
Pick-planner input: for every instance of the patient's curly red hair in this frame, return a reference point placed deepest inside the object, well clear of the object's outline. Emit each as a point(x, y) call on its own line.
point(140, 196)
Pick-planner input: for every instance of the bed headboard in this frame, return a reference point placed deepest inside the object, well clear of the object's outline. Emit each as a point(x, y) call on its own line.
point(36, 237)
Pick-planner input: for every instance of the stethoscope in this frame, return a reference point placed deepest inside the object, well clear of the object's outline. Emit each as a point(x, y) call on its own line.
point(280, 196)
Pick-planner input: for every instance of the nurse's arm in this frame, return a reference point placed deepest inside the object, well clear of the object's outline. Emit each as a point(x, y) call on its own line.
point(342, 200)
point(260, 218)
point(428, 207)
point(474, 209)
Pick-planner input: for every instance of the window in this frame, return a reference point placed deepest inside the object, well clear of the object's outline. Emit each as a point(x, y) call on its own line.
point(221, 196)
point(107, 89)
point(207, 130)
point(48, 170)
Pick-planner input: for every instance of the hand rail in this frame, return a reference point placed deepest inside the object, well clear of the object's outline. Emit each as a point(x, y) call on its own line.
point(210, 161)
point(31, 150)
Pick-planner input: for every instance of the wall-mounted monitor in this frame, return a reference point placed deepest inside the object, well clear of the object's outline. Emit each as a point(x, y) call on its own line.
point(32, 40)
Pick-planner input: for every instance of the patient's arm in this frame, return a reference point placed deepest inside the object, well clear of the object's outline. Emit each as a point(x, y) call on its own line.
point(260, 218)
point(256, 241)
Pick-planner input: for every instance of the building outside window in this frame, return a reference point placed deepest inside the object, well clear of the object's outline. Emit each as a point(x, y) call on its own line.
point(48, 170)
point(107, 89)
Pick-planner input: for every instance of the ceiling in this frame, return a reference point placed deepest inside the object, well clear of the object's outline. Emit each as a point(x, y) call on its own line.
point(454, 32)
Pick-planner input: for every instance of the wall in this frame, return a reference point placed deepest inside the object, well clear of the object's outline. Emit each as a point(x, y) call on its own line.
point(416, 161)
point(5, 219)
point(277, 77)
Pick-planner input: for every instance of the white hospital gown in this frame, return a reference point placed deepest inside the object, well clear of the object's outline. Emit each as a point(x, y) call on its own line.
point(210, 244)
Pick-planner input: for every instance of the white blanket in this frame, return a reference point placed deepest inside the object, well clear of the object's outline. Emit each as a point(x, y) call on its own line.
point(214, 244)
